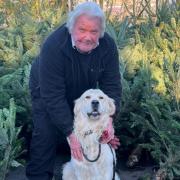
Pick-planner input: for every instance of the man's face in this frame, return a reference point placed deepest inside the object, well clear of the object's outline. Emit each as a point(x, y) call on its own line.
point(86, 33)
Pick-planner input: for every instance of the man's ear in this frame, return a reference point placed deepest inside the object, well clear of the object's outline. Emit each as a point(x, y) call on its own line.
point(112, 107)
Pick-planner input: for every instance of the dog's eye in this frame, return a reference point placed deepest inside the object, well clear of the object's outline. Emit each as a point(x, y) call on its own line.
point(100, 97)
point(88, 97)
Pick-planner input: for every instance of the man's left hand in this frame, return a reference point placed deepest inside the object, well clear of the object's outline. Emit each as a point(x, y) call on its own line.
point(108, 133)
point(108, 136)
point(114, 142)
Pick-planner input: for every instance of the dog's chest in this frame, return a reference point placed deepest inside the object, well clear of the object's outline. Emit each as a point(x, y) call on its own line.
point(104, 157)
point(94, 151)
point(99, 168)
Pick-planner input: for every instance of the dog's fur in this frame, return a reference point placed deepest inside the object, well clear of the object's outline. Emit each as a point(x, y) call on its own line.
point(89, 123)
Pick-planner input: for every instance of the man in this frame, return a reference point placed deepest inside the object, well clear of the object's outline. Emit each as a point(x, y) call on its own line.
point(77, 56)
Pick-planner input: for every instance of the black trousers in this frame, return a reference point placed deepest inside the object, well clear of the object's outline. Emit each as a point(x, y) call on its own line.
point(45, 139)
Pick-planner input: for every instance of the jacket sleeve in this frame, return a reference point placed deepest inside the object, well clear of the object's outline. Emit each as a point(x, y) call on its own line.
point(52, 89)
point(110, 82)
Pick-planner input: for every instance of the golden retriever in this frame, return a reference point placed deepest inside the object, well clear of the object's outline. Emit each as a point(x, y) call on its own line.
point(92, 111)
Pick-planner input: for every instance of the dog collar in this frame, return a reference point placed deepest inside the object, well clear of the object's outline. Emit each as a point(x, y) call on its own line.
point(88, 133)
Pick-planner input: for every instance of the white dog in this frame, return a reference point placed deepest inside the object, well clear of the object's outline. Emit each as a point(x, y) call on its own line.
point(92, 111)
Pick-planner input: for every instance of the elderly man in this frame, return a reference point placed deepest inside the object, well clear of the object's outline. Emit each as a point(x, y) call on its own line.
point(77, 56)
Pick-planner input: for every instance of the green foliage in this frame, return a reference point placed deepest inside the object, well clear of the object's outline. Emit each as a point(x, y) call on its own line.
point(15, 85)
point(149, 66)
point(26, 27)
point(164, 124)
point(10, 145)
point(166, 11)
point(118, 31)
point(150, 106)
point(23, 27)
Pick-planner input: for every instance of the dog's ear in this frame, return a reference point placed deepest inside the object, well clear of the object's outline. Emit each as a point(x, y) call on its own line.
point(112, 107)
point(77, 105)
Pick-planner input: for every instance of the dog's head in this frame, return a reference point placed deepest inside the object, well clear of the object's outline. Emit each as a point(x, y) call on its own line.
point(93, 104)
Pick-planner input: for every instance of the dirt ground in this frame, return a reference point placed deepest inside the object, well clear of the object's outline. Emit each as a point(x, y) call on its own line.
point(137, 173)
point(19, 174)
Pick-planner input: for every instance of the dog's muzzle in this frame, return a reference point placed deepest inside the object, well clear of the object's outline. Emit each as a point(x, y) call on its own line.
point(95, 109)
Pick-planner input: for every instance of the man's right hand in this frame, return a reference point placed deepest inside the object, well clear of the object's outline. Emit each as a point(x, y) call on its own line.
point(76, 151)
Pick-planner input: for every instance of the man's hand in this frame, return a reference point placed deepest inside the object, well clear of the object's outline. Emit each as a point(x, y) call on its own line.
point(109, 137)
point(114, 142)
point(75, 147)
point(108, 133)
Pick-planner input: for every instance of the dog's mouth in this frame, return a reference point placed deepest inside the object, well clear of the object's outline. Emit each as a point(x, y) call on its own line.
point(94, 114)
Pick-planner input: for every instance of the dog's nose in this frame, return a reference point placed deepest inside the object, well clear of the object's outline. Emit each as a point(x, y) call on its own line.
point(95, 104)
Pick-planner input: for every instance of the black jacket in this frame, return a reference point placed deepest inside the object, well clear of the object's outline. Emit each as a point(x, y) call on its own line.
point(62, 74)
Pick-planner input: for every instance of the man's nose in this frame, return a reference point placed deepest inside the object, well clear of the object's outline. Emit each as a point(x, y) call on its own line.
point(87, 36)
point(95, 104)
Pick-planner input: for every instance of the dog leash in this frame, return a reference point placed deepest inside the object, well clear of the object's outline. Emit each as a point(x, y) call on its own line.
point(94, 160)
point(114, 165)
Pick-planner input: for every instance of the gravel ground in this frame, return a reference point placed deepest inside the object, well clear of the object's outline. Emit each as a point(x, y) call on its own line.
point(125, 174)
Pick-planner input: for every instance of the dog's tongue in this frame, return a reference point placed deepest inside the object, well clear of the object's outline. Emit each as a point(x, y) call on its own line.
point(95, 113)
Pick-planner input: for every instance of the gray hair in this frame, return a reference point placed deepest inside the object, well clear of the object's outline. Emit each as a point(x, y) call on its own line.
point(88, 8)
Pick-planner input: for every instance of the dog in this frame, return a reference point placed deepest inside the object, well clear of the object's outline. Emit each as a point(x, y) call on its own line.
point(92, 111)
